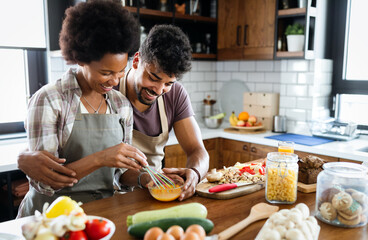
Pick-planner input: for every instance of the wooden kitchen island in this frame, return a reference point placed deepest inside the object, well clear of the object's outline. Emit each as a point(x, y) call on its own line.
point(223, 213)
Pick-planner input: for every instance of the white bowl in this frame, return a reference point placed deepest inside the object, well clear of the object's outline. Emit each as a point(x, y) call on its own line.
point(109, 223)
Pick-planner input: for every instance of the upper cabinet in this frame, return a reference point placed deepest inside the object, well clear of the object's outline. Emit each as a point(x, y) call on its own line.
point(312, 16)
point(246, 29)
point(196, 18)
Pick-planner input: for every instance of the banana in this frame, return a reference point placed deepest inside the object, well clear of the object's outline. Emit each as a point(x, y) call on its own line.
point(233, 119)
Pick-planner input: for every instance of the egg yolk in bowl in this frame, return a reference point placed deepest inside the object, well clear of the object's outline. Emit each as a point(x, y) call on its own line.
point(166, 193)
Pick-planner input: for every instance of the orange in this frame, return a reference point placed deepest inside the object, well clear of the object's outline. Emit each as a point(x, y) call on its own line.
point(243, 116)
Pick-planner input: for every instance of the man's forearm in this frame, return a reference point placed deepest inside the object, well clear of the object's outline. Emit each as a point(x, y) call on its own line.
point(199, 160)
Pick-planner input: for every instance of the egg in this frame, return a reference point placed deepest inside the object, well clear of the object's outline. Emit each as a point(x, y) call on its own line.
point(198, 229)
point(165, 236)
point(176, 231)
point(190, 236)
point(153, 233)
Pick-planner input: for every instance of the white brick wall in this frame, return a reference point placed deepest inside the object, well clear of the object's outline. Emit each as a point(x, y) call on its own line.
point(304, 85)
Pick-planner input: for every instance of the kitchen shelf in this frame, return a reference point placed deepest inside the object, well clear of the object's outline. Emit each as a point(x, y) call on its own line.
point(292, 12)
point(204, 56)
point(196, 18)
point(307, 17)
point(156, 13)
point(197, 33)
point(286, 54)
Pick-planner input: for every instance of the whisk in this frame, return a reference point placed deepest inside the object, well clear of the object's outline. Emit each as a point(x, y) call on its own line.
point(159, 179)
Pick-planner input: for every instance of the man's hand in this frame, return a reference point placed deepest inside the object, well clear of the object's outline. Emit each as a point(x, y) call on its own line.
point(44, 167)
point(191, 180)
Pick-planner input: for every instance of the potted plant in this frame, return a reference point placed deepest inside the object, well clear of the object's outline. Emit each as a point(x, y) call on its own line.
point(295, 37)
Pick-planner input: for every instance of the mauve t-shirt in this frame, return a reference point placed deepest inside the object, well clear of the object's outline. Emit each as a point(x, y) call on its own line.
point(177, 105)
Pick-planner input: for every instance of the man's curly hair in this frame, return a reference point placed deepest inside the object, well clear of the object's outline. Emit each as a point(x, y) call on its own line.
point(168, 48)
point(94, 28)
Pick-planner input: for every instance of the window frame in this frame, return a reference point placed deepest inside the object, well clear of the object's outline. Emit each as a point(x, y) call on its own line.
point(36, 71)
point(340, 85)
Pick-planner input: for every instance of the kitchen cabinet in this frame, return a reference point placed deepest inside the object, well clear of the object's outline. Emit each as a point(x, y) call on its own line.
point(258, 151)
point(245, 29)
point(176, 157)
point(314, 18)
point(195, 26)
point(227, 152)
point(9, 203)
point(233, 151)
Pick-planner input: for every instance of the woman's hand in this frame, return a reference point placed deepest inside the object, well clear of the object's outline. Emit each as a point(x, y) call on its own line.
point(123, 156)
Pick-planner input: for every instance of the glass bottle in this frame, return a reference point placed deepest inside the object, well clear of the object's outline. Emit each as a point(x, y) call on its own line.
point(342, 194)
point(281, 177)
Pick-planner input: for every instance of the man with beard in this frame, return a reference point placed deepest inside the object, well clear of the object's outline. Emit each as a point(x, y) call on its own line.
point(159, 103)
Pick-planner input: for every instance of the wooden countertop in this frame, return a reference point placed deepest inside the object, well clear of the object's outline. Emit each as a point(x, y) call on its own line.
point(223, 213)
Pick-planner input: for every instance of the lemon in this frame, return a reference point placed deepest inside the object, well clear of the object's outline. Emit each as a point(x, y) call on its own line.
point(62, 206)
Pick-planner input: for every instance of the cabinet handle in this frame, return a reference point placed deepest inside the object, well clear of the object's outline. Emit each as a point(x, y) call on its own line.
point(245, 147)
point(245, 34)
point(253, 149)
point(238, 29)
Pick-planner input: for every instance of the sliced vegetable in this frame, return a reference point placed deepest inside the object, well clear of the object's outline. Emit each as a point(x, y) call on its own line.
point(184, 210)
point(139, 229)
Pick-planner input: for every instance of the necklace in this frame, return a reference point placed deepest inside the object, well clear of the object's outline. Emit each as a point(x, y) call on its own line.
point(96, 111)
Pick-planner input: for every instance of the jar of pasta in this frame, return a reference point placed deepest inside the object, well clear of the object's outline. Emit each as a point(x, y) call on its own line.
point(281, 177)
point(342, 194)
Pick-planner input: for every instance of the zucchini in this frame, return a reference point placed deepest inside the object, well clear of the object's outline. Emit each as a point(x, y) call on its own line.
point(184, 210)
point(139, 229)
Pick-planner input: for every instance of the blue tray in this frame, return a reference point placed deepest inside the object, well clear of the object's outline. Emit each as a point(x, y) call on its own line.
point(300, 139)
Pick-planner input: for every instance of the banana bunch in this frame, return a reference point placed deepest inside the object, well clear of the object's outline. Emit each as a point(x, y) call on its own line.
point(233, 119)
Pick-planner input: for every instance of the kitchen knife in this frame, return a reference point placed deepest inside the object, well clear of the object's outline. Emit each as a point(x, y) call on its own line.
point(226, 186)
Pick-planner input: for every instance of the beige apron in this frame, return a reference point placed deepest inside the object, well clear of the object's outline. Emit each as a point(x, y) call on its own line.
point(152, 147)
point(91, 133)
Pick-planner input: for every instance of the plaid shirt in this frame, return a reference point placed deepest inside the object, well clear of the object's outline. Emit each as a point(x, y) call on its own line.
point(51, 114)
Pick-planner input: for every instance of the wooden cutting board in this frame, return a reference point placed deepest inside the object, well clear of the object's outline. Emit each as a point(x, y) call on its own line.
point(202, 190)
point(307, 188)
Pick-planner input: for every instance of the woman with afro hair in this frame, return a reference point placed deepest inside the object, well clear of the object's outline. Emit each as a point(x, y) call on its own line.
point(80, 119)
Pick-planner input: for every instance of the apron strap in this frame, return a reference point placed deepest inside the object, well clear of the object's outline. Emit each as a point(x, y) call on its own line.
point(163, 116)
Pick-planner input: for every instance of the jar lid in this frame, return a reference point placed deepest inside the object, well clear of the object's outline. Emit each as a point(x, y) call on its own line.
point(282, 157)
point(346, 169)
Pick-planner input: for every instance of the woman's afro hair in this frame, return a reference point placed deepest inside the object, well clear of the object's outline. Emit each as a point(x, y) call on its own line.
point(94, 28)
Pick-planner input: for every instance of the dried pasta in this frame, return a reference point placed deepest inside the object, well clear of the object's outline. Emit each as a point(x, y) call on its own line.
point(281, 186)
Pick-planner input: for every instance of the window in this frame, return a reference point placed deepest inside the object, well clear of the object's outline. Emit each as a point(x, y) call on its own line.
point(22, 59)
point(350, 77)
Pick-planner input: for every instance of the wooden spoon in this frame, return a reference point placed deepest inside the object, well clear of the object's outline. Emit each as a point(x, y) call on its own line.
point(257, 212)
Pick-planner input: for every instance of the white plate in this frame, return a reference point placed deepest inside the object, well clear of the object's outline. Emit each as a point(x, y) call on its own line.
point(231, 96)
point(7, 236)
point(109, 223)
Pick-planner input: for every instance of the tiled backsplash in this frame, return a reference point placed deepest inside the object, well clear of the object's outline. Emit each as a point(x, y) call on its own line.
point(304, 85)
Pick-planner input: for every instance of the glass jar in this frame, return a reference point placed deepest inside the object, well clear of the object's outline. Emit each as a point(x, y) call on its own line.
point(342, 194)
point(281, 177)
